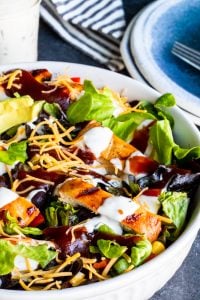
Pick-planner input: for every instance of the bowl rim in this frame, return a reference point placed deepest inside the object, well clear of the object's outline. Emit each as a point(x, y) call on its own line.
point(147, 268)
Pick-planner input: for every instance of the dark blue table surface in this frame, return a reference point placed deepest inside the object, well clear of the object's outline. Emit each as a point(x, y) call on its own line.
point(185, 284)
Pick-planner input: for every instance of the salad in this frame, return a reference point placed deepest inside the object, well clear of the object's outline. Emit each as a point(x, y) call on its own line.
point(91, 186)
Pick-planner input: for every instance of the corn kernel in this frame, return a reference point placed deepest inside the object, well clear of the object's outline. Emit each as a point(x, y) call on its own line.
point(157, 247)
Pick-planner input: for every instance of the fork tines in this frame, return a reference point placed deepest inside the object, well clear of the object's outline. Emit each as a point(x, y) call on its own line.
point(187, 54)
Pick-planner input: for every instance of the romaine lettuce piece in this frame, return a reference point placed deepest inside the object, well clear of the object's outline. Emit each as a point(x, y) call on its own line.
point(9, 251)
point(162, 141)
point(175, 205)
point(164, 146)
point(110, 249)
point(159, 108)
point(11, 226)
point(105, 229)
point(7, 257)
point(124, 125)
point(52, 109)
point(40, 253)
point(93, 105)
point(166, 100)
point(15, 152)
point(58, 213)
point(121, 265)
point(140, 252)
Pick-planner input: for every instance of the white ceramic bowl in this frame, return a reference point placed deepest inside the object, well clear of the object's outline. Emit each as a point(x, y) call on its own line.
point(143, 282)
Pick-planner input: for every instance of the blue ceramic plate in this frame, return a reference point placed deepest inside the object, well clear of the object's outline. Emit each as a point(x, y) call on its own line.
point(126, 53)
point(152, 38)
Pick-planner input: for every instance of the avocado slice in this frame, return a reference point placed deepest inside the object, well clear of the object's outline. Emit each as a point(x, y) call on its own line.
point(15, 111)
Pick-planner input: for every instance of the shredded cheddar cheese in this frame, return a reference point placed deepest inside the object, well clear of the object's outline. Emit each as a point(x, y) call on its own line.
point(32, 280)
point(10, 78)
point(65, 160)
point(68, 261)
point(78, 279)
point(140, 193)
point(110, 264)
point(131, 267)
point(90, 268)
point(24, 286)
point(28, 189)
point(18, 182)
point(74, 88)
point(164, 219)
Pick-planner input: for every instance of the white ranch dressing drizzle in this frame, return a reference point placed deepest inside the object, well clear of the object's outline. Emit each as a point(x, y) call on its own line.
point(5, 167)
point(97, 139)
point(7, 196)
point(96, 167)
point(31, 125)
point(96, 222)
point(95, 181)
point(118, 207)
point(20, 263)
point(148, 149)
point(151, 203)
point(117, 163)
point(145, 123)
point(118, 109)
point(2, 168)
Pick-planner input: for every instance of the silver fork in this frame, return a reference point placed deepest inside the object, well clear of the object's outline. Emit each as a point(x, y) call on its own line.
point(187, 54)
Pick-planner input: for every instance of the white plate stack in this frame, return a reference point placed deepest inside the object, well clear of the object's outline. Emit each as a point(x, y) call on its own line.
point(146, 50)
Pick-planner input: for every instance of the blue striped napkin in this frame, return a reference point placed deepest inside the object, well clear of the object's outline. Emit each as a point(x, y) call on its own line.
point(93, 26)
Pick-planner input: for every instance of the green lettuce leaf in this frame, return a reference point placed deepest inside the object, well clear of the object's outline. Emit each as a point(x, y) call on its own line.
point(175, 206)
point(160, 108)
point(40, 253)
point(110, 249)
point(89, 106)
point(121, 265)
point(166, 100)
point(59, 213)
point(52, 109)
point(12, 227)
point(183, 153)
point(162, 140)
point(105, 229)
point(15, 152)
point(164, 146)
point(7, 256)
point(9, 251)
point(140, 252)
point(124, 125)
